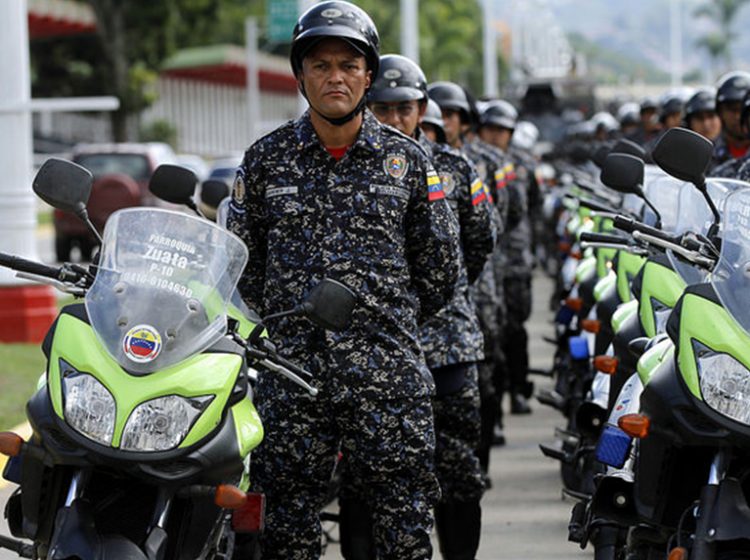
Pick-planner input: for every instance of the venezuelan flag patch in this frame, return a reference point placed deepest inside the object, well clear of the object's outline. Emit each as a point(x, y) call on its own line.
point(434, 187)
point(478, 192)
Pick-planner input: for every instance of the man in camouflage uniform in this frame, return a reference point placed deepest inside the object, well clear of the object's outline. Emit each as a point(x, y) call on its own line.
point(737, 168)
point(733, 142)
point(336, 194)
point(498, 121)
point(488, 292)
point(452, 340)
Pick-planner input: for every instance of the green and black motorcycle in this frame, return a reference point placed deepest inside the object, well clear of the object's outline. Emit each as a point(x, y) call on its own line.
point(143, 422)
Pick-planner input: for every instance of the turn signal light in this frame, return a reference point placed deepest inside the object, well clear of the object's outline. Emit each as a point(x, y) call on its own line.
point(10, 444)
point(577, 255)
point(250, 518)
point(679, 553)
point(606, 364)
point(635, 425)
point(229, 497)
point(591, 325)
point(574, 303)
point(564, 246)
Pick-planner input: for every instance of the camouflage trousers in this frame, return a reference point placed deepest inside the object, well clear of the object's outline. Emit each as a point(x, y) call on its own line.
point(388, 445)
point(457, 431)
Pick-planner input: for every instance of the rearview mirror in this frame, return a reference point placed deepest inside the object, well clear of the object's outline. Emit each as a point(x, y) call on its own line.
point(684, 154)
point(330, 304)
point(213, 192)
point(174, 184)
point(623, 173)
point(64, 185)
point(625, 146)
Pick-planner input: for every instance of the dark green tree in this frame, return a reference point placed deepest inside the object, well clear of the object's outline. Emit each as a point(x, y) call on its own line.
point(718, 43)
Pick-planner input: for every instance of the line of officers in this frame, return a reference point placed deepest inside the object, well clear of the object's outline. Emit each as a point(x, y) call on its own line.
point(720, 113)
point(419, 202)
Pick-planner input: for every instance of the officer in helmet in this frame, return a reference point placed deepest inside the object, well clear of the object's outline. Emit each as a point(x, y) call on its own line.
point(733, 141)
point(335, 194)
point(451, 340)
point(700, 114)
point(432, 123)
point(628, 115)
point(738, 168)
point(488, 293)
point(670, 116)
point(497, 124)
point(650, 125)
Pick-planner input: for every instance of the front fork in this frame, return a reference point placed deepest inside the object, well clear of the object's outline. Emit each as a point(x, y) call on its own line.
point(704, 547)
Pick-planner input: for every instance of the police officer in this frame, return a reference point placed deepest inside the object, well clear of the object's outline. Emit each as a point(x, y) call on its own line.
point(336, 194)
point(497, 123)
point(650, 125)
point(628, 115)
point(733, 142)
point(700, 114)
point(452, 340)
point(670, 116)
point(488, 293)
point(738, 168)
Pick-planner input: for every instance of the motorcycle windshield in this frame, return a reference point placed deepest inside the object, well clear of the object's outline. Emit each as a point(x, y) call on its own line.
point(695, 216)
point(731, 277)
point(161, 291)
point(663, 191)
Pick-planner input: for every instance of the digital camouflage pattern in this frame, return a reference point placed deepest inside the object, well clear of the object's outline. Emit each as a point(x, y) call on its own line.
point(457, 425)
point(453, 335)
point(377, 221)
point(720, 156)
point(389, 447)
point(736, 168)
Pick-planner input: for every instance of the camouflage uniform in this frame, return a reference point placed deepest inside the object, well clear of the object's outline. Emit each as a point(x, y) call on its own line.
point(730, 169)
point(489, 295)
point(452, 340)
point(721, 156)
point(517, 246)
point(377, 221)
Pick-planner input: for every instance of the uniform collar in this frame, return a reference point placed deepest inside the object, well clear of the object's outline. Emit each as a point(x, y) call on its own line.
point(370, 137)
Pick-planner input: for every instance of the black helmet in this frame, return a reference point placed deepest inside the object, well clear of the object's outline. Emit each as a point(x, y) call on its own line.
point(398, 79)
point(745, 110)
point(702, 100)
point(450, 96)
point(649, 103)
point(732, 87)
point(335, 19)
point(433, 116)
point(499, 112)
point(670, 104)
point(628, 114)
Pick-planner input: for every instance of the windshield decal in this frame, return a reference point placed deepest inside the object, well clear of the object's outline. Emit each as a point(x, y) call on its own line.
point(142, 344)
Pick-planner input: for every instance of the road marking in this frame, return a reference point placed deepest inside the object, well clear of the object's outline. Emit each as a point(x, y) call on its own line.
point(23, 430)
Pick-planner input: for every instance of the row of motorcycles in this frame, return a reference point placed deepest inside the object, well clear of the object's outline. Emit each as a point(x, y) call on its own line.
point(652, 361)
point(143, 422)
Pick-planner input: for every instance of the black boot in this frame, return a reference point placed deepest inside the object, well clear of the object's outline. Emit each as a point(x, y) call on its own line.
point(355, 530)
point(459, 526)
point(518, 404)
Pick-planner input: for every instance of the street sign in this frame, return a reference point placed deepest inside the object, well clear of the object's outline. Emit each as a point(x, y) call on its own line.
point(282, 15)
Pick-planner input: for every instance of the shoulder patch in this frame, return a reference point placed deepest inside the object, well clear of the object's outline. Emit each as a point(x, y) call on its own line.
point(448, 182)
point(239, 190)
point(396, 165)
point(434, 187)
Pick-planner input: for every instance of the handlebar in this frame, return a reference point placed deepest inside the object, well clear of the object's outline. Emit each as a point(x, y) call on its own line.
point(629, 225)
point(591, 237)
point(23, 265)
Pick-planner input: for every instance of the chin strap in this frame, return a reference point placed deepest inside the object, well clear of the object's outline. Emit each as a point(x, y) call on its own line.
point(338, 121)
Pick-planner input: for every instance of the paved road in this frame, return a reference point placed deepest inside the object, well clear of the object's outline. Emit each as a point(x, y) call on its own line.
point(525, 517)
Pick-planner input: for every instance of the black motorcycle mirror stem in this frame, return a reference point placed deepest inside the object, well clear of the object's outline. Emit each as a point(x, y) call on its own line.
point(175, 184)
point(624, 173)
point(66, 186)
point(685, 154)
point(329, 305)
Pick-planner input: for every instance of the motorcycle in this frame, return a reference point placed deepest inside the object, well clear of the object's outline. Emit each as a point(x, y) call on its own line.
point(143, 423)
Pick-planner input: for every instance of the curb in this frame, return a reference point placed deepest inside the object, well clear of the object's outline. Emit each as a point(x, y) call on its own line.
point(23, 430)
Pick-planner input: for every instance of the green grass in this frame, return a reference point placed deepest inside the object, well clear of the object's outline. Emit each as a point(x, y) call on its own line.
point(22, 364)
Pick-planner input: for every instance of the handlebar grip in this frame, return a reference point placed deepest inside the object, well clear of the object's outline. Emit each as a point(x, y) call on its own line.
point(592, 237)
point(624, 224)
point(629, 225)
point(31, 267)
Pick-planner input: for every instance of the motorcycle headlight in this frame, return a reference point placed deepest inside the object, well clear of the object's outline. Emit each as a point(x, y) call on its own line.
point(725, 383)
point(661, 315)
point(161, 424)
point(89, 407)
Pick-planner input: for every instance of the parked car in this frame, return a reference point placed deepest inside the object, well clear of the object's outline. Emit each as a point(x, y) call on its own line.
point(121, 174)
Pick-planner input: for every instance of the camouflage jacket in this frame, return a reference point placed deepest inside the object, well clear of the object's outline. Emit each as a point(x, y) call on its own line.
point(517, 243)
point(377, 221)
point(730, 169)
point(454, 336)
point(722, 155)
